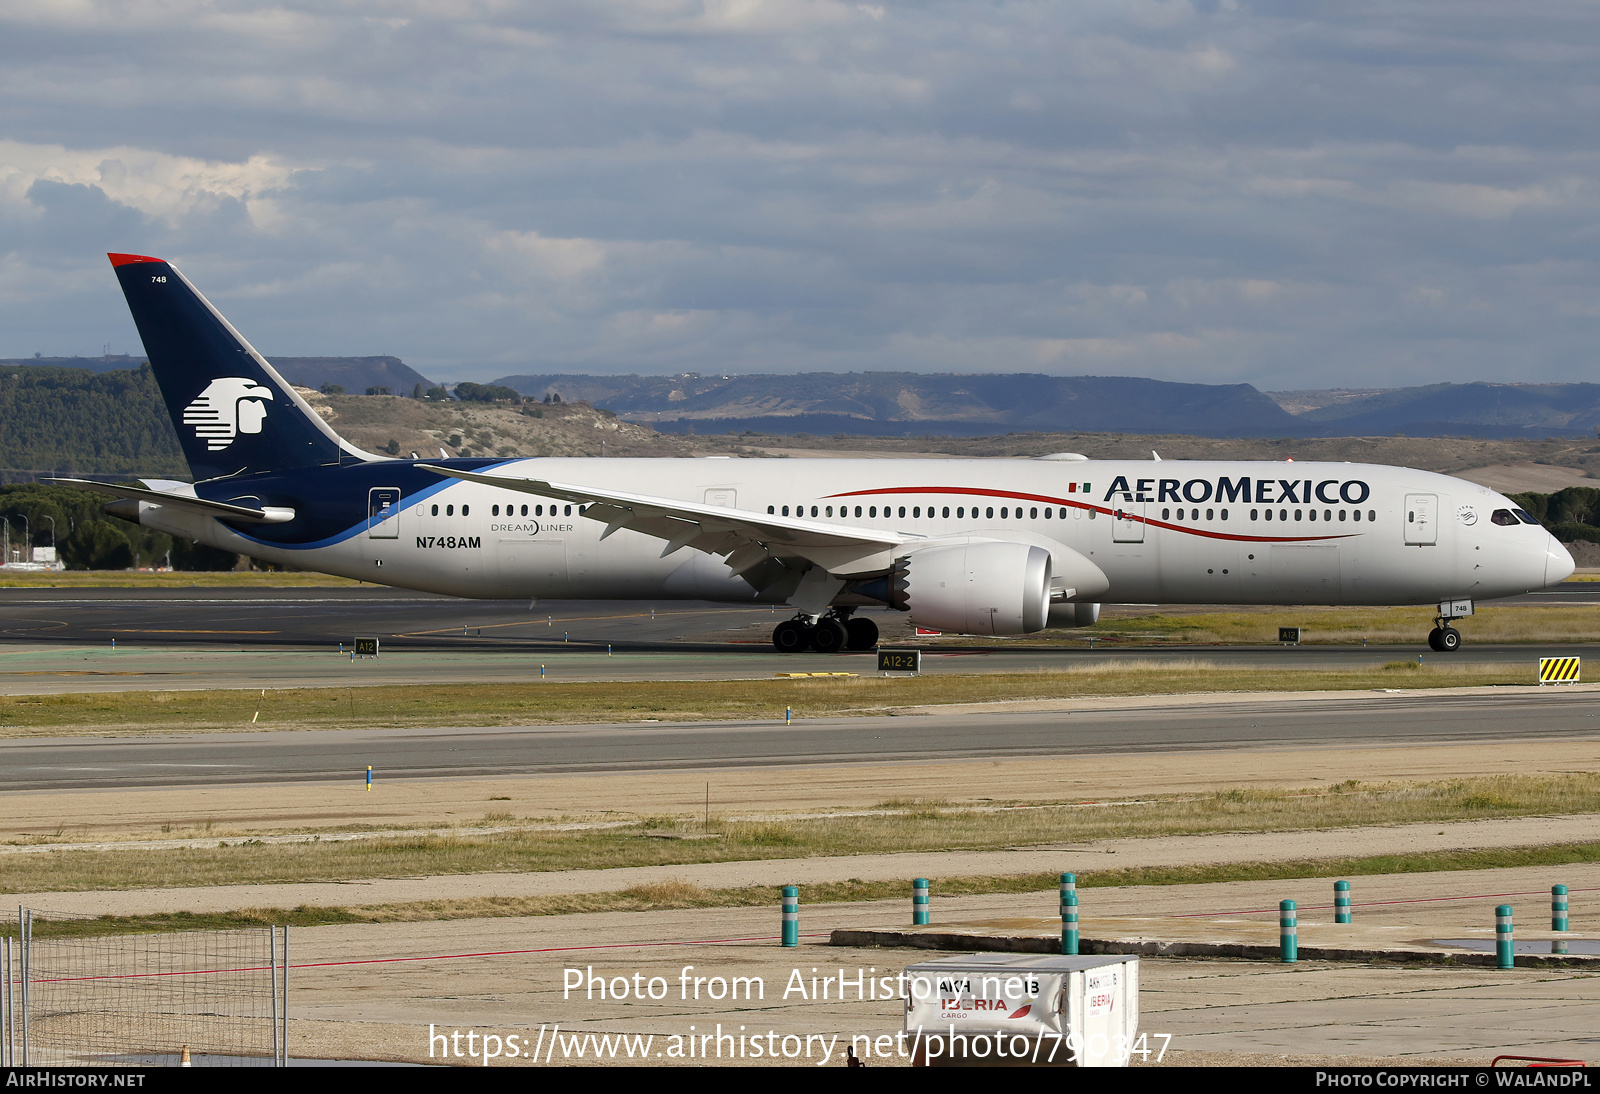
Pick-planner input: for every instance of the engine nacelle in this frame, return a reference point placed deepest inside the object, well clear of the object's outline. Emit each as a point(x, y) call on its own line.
point(977, 588)
point(1074, 615)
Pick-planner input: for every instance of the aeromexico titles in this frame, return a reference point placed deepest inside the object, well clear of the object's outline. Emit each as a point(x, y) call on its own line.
point(971, 546)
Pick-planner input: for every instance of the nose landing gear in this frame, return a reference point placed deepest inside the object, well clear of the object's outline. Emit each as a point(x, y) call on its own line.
point(1444, 638)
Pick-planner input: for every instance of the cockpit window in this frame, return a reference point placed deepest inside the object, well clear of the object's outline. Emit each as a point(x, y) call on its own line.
point(1504, 517)
point(1524, 516)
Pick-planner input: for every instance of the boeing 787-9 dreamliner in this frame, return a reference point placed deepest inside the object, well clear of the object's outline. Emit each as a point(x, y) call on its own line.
point(989, 547)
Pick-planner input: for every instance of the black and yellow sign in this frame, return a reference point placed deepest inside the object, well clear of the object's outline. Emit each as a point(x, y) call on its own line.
point(1559, 670)
point(1289, 635)
point(899, 660)
point(366, 647)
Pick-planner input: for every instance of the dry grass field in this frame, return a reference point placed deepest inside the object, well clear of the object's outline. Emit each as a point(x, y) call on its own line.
point(533, 844)
point(134, 713)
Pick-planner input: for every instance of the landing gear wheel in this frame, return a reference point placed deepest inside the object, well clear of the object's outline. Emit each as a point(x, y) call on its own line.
point(1449, 640)
point(791, 636)
point(828, 636)
point(1434, 640)
point(863, 634)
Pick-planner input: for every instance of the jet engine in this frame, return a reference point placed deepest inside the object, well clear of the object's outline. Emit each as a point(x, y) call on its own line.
point(977, 588)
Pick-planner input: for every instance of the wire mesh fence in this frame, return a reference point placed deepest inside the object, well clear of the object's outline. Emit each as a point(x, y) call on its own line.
point(74, 998)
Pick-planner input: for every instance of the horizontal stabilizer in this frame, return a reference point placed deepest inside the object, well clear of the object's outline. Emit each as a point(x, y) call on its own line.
point(267, 514)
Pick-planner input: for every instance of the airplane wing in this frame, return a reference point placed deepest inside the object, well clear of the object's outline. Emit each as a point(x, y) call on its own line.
point(747, 539)
point(271, 514)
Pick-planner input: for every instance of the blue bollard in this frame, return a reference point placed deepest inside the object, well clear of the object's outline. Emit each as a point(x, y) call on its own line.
point(919, 902)
point(1503, 949)
point(1558, 908)
point(1069, 914)
point(791, 915)
point(1341, 902)
point(1288, 933)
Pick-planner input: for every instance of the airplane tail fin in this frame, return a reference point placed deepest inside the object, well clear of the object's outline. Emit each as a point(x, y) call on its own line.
point(234, 414)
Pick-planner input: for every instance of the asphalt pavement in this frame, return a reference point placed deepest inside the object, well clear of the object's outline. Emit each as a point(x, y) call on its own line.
point(1209, 724)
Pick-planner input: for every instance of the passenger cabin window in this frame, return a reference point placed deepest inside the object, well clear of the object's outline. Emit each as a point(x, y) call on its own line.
point(449, 510)
point(464, 509)
point(524, 510)
point(435, 510)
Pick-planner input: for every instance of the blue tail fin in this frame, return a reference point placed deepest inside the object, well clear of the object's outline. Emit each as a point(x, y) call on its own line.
point(234, 414)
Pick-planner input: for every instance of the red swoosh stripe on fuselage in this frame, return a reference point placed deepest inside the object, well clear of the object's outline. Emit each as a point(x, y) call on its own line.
point(1045, 499)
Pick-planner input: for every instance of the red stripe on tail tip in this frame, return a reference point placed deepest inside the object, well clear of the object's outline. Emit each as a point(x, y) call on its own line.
point(129, 260)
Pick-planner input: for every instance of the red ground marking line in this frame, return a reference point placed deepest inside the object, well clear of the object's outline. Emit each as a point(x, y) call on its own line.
point(1379, 903)
point(433, 957)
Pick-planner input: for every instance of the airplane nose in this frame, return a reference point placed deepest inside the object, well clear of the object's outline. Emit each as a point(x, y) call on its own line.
point(1558, 564)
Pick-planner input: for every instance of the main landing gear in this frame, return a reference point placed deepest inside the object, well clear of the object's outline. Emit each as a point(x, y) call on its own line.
point(838, 630)
point(1444, 638)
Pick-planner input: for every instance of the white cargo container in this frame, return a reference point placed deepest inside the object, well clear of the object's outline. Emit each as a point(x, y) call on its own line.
point(1023, 1010)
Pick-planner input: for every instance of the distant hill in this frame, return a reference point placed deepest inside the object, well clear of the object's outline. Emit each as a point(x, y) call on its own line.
point(903, 403)
point(354, 374)
point(1476, 409)
point(899, 403)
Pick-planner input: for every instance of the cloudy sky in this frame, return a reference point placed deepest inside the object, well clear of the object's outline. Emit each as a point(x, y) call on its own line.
point(1218, 190)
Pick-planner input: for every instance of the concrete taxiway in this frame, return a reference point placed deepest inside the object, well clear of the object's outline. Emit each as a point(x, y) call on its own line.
point(1058, 728)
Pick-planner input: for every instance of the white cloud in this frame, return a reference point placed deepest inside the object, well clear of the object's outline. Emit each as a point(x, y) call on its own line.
point(156, 184)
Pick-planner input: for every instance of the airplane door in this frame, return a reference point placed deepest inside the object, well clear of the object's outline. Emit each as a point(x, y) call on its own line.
point(722, 496)
point(1127, 522)
point(383, 512)
point(1422, 519)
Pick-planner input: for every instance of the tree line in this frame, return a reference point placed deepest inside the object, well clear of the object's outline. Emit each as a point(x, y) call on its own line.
point(86, 538)
point(1572, 515)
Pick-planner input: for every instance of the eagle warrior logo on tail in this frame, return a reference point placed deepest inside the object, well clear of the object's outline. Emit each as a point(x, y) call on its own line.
point(226, 408)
